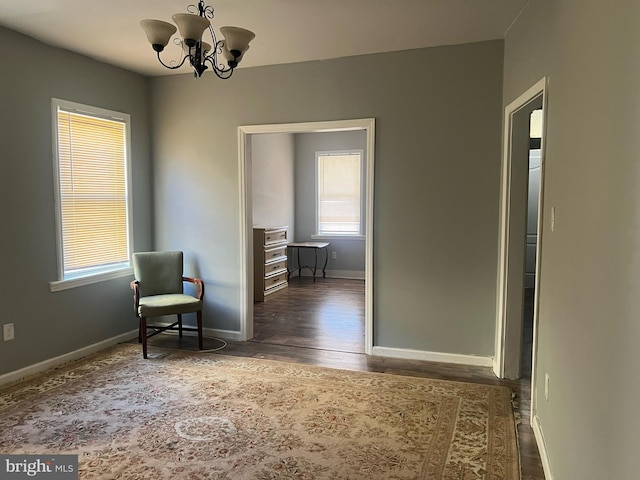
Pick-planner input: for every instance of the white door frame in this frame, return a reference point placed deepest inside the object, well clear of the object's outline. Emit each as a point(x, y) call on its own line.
point(506, 363)
point(246, 213)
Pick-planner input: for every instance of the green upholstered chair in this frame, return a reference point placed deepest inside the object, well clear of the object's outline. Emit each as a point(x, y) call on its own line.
point(158, 290)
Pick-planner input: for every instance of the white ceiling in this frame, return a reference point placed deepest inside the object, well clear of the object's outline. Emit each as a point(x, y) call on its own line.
point(287, 31)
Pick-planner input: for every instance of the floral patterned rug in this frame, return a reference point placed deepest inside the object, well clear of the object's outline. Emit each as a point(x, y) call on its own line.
point(186, 415)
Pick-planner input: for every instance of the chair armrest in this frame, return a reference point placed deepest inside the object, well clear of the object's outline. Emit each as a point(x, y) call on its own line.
point(198, 282)
point(136, 295)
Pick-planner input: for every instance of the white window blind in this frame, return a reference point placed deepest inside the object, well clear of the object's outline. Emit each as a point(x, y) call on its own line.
point(92, 156)
point(339, 193)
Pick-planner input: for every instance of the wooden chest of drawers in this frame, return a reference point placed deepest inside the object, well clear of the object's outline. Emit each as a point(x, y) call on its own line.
point(269, 260)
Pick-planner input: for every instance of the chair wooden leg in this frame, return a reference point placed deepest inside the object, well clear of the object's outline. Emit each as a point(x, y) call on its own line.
point(143, 328)
point(140, 330)
point(199, 315)
point(180, 324)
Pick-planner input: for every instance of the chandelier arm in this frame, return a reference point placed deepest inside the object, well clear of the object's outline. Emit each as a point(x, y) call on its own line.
point(213, 35)
point(223, 74)
point(174, 66)
point(212, 58)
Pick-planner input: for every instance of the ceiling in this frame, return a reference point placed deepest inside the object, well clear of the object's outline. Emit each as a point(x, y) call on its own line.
point(287, 31)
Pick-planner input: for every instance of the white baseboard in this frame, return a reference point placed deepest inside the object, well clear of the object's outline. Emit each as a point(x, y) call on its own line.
point(66, 358)
point(224, 334)
point(474, 360)
point(349, 274)
point(206, 332)
point(542, 448)
point(96, 347)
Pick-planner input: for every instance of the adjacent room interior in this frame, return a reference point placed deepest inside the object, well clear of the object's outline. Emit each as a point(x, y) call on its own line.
point(327, 313)
point(438, 81)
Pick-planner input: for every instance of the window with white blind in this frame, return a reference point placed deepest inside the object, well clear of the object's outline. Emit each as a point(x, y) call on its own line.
point(339, 193)
point(92, 188)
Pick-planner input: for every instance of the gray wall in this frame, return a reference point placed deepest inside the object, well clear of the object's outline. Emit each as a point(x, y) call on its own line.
point(589, 331)
point(349, 252)
point(273, 165)
point(438, 129)
point(51, 324)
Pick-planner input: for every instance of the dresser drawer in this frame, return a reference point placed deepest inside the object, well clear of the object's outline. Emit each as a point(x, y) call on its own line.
point(275, 254)
point(275, 236)
point(275, 281)
point(273, 267)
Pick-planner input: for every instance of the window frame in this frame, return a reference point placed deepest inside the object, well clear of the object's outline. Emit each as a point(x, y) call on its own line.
point(91, 274)
point(362, 227)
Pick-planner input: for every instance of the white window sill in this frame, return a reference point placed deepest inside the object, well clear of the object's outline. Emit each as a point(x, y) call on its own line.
point(338, 237)
point(60, 285)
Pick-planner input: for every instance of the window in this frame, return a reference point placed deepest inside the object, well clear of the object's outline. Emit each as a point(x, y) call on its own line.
point(339, 193)
point(91, 158)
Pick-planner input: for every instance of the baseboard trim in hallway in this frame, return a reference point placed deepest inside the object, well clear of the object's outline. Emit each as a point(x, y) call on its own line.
point(473, 360)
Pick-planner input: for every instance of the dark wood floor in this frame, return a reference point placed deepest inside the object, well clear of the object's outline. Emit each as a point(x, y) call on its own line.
point(322, 323)
point(326, 315)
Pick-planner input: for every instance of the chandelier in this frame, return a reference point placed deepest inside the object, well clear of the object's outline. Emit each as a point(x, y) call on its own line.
point(222, 55)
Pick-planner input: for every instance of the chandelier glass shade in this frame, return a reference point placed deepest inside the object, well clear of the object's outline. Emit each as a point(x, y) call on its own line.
point(221, 55)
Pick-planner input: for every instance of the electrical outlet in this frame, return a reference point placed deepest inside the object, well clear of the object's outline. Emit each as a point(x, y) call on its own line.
point(553, 219)
point(8, 332)
point(334, 255)
point(546, 386)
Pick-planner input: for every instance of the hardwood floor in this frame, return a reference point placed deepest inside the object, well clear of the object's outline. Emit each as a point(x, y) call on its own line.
point(322, 323)
point(326, 315)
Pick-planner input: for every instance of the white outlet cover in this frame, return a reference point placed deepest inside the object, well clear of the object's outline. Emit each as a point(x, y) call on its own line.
point(8, 332)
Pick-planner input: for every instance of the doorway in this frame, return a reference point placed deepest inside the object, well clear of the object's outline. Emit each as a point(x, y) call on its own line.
point(246, 212)
point(513, 230)
point(533, 202)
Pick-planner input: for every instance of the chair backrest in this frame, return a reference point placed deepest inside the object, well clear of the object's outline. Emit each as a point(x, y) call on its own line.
point(158, 272)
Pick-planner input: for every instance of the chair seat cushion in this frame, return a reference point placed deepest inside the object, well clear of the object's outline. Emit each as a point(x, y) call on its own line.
point(168, 304)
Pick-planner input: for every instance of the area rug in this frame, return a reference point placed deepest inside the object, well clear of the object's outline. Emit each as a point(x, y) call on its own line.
point(188, 415)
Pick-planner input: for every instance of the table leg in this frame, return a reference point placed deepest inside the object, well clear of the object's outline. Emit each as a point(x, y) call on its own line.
point(299, 267)
point(326, 259)
point(315, 263)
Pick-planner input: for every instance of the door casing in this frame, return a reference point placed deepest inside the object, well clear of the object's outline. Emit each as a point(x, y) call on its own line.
point(246, 212)
point(509, 306)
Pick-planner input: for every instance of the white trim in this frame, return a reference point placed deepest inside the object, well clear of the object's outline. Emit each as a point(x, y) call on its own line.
point(368, 265)
point(66, 358)
point(224, 334)
point(60, 285)
point(540, 88)
point(500, 367)
point(349, 274)
point(360, 238)
point(89, 110)
point(96, 347)
point(212, 333)
point(246, 237)
point(542, 447)
point(404, 353)
point(246, 214)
